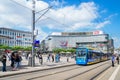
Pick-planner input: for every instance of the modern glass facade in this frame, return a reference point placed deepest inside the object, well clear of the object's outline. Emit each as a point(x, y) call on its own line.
point(15, 37)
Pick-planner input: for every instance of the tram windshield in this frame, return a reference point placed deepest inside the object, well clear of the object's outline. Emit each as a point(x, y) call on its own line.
point(81, 53)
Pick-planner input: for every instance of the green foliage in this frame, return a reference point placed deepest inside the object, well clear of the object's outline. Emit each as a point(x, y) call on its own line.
point(15, 48)
point(59, 50)
point(71, 50)
point(56, 50)
point(28, 49)
point(4, 47)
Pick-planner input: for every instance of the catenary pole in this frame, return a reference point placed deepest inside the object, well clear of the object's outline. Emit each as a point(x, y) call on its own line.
point(33, 30)
point(32, 61)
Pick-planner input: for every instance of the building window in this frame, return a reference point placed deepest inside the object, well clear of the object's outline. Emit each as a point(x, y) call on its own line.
point(23, 34)
point(0, 31)
point(3, 32)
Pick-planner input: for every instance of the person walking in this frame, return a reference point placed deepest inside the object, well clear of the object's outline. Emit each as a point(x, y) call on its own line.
point(117, 58)
point(13, 57)
point(40, 59)
point(4, 59)
point(57, 58)
point(52, 57)
point(113, 60)
point(48, 58)
point(67, 58)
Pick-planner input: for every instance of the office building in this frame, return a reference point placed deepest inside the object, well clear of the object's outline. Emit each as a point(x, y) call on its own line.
point(12, 37)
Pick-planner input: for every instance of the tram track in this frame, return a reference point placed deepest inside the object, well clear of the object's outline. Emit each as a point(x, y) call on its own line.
point(62, 73)
point(84, 75)
point(100, 73)
point(54, 73)
point(41, 73)
point(74, 75)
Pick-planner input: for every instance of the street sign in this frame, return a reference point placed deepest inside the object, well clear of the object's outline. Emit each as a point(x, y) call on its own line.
point(36, 43)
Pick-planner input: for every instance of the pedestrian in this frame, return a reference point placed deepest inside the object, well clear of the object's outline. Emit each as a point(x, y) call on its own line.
point(52, 57)
point(117, 58)
point(67, 59)
point(4, 59)
point(56, 58)
point(48, 58)
point(17, 61)
point(113, 60)
point(40, 59)
point(13, 60)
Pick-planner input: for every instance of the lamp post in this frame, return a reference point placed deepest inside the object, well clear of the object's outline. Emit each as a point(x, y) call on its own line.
point(33, 29)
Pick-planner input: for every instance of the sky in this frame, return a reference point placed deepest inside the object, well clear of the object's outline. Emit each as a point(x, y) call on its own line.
point(63, 16)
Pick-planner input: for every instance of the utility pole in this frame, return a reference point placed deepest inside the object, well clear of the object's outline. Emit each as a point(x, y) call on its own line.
point(32, 60)
point(33, 29)
point(33, 36)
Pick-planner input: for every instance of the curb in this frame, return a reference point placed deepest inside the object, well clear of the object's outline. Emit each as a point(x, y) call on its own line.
point(59, 66)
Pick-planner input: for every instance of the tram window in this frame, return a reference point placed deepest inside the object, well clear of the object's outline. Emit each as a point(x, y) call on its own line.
point(90, 55)
point(81, 53)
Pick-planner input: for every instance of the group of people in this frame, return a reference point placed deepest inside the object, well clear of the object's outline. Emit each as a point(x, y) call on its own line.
point(114, 59)
point(55, 57)
point(14, 57)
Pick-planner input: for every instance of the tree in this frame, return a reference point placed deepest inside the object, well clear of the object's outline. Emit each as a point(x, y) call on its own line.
point(4, 47)
point(62, 50)
point(28, 48)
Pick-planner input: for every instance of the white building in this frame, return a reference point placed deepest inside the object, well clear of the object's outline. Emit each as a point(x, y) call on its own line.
point(13, 37)
point(96, 40)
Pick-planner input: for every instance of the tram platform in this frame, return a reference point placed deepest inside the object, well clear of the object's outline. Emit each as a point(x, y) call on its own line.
point(25, 68)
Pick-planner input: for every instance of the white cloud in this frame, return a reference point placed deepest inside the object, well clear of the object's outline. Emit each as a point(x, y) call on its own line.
point(102, 24)
point(73, 17)
point(65, 18)
point(111, 16)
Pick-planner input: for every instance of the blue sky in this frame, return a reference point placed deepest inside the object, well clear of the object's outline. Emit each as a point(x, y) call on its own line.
point(65, 15)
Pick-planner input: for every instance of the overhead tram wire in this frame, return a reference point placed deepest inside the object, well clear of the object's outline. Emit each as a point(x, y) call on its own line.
point(36, 12)
point(55, 21)
point(61, 6)
point(43, 14)
point(97, 20)
point(111, 35)
point(44, 9)
point(29, 8)
point(20, 4)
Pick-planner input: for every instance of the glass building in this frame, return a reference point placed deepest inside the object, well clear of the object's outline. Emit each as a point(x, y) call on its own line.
point(96, 40)
point(13, 37)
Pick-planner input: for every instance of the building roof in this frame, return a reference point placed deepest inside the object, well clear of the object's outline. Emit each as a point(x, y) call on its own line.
point(15, 30)
point(97, 32)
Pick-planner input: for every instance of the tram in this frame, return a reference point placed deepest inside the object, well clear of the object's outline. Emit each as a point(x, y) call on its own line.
point(86, 56)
